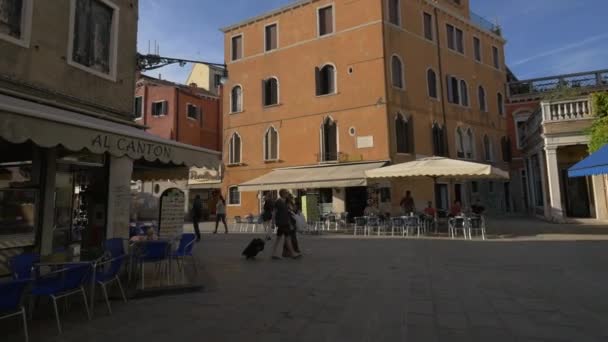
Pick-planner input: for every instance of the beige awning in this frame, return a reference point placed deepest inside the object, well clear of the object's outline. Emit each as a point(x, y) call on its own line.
point(47, 126)
point(439, 167)
point(312, 177)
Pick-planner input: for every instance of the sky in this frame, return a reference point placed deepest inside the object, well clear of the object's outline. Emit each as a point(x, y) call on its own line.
point(544, 37)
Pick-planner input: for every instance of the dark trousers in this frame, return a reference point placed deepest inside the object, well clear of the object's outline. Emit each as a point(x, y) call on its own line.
point(294, 243)
point(197, 231)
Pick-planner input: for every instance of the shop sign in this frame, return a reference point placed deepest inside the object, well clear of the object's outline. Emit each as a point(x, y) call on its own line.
point(131, 146)
point(171, 218)
point(203, 175)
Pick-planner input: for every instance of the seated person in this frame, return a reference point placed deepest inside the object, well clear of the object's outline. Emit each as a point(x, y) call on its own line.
point(477, 208)
point(370, 210)
point(456, 209)
point(429, 210)
point(149, 236)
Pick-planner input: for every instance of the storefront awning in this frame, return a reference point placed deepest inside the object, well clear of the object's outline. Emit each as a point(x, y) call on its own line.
point(47, 126)
point(593, 165)
point(311, 177)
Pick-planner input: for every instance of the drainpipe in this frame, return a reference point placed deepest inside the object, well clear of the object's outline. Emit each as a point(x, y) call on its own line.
point(176, 114)
point(441, 78)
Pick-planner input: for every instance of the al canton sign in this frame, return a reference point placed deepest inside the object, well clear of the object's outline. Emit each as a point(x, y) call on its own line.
point(129, 145)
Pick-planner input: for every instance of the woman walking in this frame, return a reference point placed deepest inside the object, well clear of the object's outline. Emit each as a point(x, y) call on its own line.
point(267, 215)
point(283, 222)
point(220, 214)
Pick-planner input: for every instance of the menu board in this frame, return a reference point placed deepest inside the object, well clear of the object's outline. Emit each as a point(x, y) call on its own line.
point(171, 219)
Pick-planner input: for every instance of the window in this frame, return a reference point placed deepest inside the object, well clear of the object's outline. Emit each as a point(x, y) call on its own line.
point(459, 143)
point(237, 47)
point(159, 108)
point(234, 196)
point(394, 12)
point(325, 19)
point(481, 94)
point(477, 48)
point(14, 21)
point(500, 103)
point(271, 144)
point(234, 149)
point(270, 91)
point(495, 57)
point(469, 145)
point(271, 37)
point(403, 128)
point(397, 72)
point(193, 112)
point(439, 147)
point(505, 144)
point(138, 108)
point(431, 81)
point(329, 140)
point(455, 38)
point(474, 187)
point(464, 93)
point(428, 26)
point(487, 147)
point(326, 80)
point(217, 80)
point(236, 99)
point(93, 42)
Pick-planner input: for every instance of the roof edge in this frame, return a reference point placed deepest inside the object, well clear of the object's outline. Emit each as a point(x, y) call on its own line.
point(267, 14)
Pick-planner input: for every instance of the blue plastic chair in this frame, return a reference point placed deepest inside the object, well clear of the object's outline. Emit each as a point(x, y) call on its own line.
point(22, 265)
point(154, 252)
point(64, 282)
point(108, 272)
point(11, 294)
point(185, 248)
point(115, 247)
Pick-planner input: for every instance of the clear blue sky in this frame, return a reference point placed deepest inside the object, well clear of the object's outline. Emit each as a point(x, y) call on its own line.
point(544, 37)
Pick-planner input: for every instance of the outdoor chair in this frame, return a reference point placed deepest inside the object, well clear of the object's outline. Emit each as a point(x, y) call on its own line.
point(155, 252)
point(114, 247)
point(11, 295)
point(185, 248)
point(69, 279)
point(22, 265)
point(360, 222)
point(343, 220)
point(477, 224)
point(399, 224)
point(456, 224)
point(238, 223)
point(373, 222)
point(106, 273)
point(332, 220)
point(412, 223)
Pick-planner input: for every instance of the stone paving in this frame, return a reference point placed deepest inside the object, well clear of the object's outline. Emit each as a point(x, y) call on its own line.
point(371, 289)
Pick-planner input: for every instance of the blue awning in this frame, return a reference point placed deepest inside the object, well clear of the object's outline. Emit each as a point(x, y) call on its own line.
point(595, 164)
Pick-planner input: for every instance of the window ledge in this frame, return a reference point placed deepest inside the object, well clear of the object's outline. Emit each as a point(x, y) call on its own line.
point(111, 76)
point(239, 112)
point(272, 161)
point(24, 43)
point(138, 118)
point(399, 88)
point(233, 205)
point(327, 95)
point(159, 115)
point(457, 52)
point(193, 119)
point(272, 105)
point(329, 162)
point(235, 165)
point(327, 35)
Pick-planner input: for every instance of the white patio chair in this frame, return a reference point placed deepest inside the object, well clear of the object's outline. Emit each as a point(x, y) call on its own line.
point(360, 223)
point(477, 224)
point(456, 224)
point(397, 223)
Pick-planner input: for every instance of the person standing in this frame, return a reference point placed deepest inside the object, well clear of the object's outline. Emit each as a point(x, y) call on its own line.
point(220, 214)
point(283, 222)
point(293, 210)
point(197, 214)
point(407, 203)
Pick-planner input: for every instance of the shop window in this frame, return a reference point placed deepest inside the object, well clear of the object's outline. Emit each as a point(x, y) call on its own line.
point(329, 141)
point(234, 196)
point(397, 72)
point(270, 91)
point(236, 99)
point(93, 35)
point(271, 144)
point(326, 80)
point(234, 150)
point(431, 81)
point(325, 20)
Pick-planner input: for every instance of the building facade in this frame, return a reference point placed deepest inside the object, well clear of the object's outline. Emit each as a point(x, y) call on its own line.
point(207, 77)
point(549, 117)
point(68, 145)
point(347, 83)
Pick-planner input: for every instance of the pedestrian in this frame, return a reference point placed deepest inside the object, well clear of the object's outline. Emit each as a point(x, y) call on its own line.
point(267, 214)
point(407, 203)
point(220, 214)
point(293, 210)
point(197, 214)
point(283, 222)
point(456, 209)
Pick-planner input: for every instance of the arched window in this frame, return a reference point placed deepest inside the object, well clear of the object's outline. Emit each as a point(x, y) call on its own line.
point(234, 149)
point(464, 93)
point(397, 72)
point(329, 140)
point(459, 143)
point(326, 80)
point(271, 144)
point(394, 12)
point(403, 130)
point(505, 144)
point(236, 99)
point(501, 104)
point(469, 145)
point(431, 82)
point(234, 196)
point(270, 91)
point(481, 94)
point(487, 148)
point(439, 148)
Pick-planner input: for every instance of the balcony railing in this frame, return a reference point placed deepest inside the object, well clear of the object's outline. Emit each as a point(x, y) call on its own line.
point(485, 23)
point(538, 86)
point(566, 110)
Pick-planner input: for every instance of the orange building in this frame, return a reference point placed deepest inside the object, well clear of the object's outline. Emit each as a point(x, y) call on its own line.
point(321, 90)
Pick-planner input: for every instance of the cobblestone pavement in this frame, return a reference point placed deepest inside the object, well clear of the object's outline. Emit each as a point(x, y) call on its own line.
point(371, 289)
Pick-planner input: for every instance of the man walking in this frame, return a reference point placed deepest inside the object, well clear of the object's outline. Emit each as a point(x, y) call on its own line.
point(282, 220)
point(197, 214)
